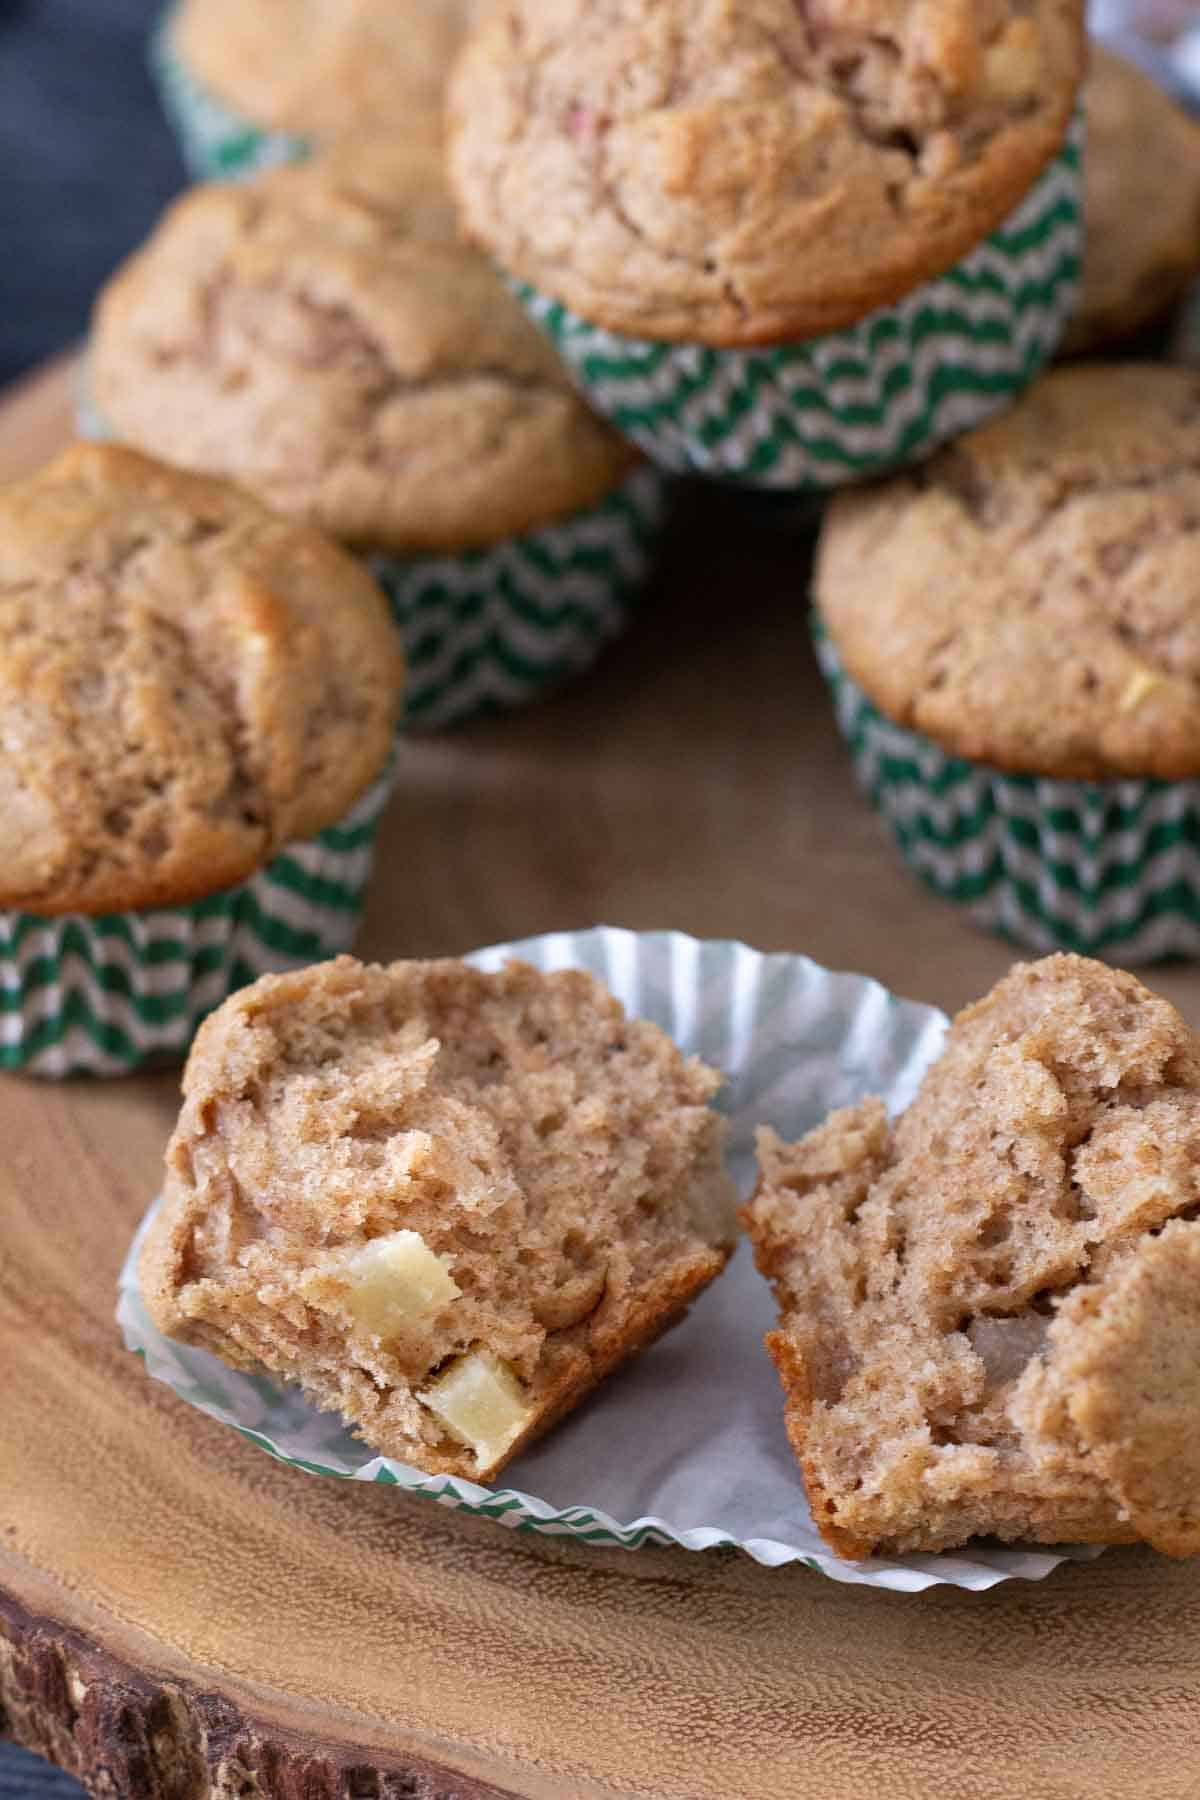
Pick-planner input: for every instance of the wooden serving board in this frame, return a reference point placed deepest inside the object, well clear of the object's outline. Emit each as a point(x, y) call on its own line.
point(181, 1616)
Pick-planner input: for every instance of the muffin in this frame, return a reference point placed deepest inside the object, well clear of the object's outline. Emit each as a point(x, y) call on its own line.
point(446, 1203)
point(988, 1320)
point(1013, 640)
point(786, 245)
point(250, 86)
point(1141, 204)
point(197, 702)
point(321, 335)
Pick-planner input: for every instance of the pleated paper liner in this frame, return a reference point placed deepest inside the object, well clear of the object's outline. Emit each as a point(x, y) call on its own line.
point(103, 995)
point(686, 1445)
point(883, 392)
point(1104, 868)
point(488, 629)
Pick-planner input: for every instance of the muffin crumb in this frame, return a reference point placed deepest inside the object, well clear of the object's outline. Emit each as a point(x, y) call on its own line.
point(445, 1202)
point(987, 1315)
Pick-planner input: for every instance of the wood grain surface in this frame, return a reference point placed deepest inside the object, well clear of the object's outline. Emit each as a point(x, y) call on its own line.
point(181, 1616)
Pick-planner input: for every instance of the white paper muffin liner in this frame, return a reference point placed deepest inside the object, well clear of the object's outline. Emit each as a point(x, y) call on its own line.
point(704, 1458)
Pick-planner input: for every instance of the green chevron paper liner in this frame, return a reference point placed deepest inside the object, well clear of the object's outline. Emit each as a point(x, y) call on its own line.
point(1107, 868)
point(885, 391)
point(699, 1417)
point(102, 995)
point(486, 629)
point(217, 143)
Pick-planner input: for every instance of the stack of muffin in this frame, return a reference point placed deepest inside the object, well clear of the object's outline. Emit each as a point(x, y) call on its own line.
point(1012, 631)
point(202, 743)
point(786, 248)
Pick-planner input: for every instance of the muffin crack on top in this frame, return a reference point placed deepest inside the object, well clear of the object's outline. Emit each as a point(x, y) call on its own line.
point(179, 697)
point(333, 335)
point(321, 335)
point(964, 1291)
point(743, 173)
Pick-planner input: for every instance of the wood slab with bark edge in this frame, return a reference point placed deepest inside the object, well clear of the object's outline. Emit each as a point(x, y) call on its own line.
point(180, 1616)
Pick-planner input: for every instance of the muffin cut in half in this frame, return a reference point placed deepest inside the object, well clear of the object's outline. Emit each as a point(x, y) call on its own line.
point(990, 1307)
point(446, 1202)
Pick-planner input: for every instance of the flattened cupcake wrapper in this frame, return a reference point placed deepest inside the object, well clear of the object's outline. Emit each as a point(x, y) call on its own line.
point(486, 629)
point(704, 1458)
point(1105, 868)
point(217, 144)
point(101, 995)
point(883, 392)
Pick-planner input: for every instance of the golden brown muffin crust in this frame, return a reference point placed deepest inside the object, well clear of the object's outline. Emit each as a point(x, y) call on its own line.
point(560, 1160)
point(752, 171)
point(988, 1321)
point(187, 683)
point(323, 67)
point(320, 335)
point(1028, 597)
point(1142, 203)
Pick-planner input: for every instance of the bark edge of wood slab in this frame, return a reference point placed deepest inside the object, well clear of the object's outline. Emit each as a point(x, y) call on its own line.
point(122, 1732)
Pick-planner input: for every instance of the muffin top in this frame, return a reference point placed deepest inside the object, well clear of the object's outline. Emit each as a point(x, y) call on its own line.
point(1028, 598)
point(320, 335)
point(187, 683)
point(321, 67)
point(749, 171)
point(947, 1277)
point(1142, 188)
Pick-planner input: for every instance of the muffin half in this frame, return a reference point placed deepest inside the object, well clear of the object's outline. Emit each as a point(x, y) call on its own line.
point(447, 1203)
point(988, 1308)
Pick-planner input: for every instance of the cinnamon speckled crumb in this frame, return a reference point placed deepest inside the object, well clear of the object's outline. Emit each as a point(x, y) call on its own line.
point(381, 1172)
point(988, 1309)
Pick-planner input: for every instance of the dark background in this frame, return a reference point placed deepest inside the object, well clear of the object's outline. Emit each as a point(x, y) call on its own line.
point(86, 162)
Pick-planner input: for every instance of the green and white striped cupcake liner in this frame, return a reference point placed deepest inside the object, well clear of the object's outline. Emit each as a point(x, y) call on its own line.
point(217, 144)
point(856, 402)
point(102, 995)
point(1106, 868)
point(488, 629)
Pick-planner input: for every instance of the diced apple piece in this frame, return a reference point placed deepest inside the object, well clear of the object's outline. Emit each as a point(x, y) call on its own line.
point(397, 1281)
point(480, 1402)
